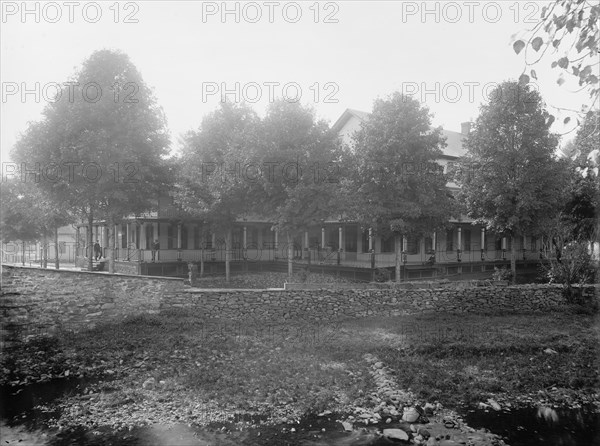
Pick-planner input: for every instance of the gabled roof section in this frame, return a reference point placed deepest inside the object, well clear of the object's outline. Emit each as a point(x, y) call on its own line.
point(349, 113)
point(453, 149)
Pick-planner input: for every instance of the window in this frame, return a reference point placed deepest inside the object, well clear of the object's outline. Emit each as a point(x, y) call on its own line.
point(387, 244)
point(365, 240)
point(196, 237)
point(450, 168)
point(350, 236)
point(466, 236)
point(184, 237)
point(450, 240)
point(170, 236)
point(236, 238)
point(62, 247)
point(332, 238)
point(428, 244)
point(412, 245)
point(498, 244)
point(533, 243)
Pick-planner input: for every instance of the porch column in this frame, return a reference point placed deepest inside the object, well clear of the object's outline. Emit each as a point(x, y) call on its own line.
point(155, 232)
point(370, 239)
point(245, 239)
point(306, 240)
point(116, 240)
point(104, 239)
point(404, 243)
point(434, 242)
point(483, 239)
point(179, 235)
point(214, 240)
point(459, 248)
point(276, 239)
point(128, 237)
point(340, 237)
point(77, 238)
point(322, 238)
point(143, 236)
point(503, 243)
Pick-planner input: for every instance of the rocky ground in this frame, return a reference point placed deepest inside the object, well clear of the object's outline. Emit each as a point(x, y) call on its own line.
point(369, 380)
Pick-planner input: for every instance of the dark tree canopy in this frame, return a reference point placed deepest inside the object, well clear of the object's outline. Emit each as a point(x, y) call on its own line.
point(100, 144)
point(397, 184)
point(510, 178)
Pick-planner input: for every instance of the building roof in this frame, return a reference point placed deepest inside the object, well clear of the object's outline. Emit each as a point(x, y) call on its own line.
point(349, 113)
point(453, 149)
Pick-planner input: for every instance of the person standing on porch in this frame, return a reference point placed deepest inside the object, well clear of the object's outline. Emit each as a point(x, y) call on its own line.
point(97, 250)
point(155, 248)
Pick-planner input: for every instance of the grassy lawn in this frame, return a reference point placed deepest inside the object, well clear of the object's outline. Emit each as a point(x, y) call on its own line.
point(176, 367)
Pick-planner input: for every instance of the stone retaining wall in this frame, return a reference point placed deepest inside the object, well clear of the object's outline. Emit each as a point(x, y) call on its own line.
point(41, 301)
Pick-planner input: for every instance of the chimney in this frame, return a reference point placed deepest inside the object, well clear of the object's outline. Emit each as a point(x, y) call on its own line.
point(465, 128)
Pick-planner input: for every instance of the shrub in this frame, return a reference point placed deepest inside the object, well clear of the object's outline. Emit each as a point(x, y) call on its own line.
point(382, 275)
point(502, 274)
point(574, 265)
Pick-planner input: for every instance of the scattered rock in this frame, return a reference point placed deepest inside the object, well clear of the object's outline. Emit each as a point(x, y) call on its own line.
point(429, 409)
point(549, 351)
point(149, 384)
point(395, 434)
point(411, 415)
point(347, 426)
point(494, 404)
point(423, 432)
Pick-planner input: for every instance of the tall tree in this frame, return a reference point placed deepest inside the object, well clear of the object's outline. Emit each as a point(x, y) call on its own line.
point(298, 155)
point(511, 180)
point(215, 180)
point(397, 186)
point(102, 139)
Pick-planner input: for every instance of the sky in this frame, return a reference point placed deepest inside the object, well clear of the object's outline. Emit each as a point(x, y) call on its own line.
point(329, 55)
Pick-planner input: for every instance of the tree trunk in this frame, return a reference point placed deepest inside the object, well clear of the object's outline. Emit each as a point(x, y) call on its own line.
point(202, 242)
point(398, 249)
point(227, 255)
point(290, 255)
point(90, 243)
point(56, 250)
point(513, 259)
point(111, 247)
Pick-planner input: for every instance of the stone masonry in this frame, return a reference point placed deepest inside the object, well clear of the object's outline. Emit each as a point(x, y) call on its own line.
point(37, 301)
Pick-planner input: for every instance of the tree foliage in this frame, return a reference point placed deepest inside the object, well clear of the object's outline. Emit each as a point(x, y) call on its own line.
point(397, 184)
point(102, 140)
point(397, 187)
point(510, 178)
point(300, 182)
point(214, 182)
point(28, 214)
point(568, 33)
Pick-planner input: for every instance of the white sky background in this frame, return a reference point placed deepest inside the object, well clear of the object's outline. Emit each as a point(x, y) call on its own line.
point(375, 48)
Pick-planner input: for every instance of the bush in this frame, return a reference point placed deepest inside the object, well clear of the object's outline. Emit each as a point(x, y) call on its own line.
point(502, 274)
point(574, 265)
point(382, 275)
